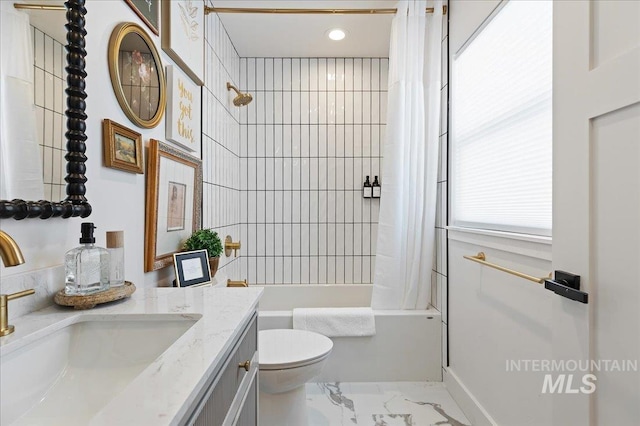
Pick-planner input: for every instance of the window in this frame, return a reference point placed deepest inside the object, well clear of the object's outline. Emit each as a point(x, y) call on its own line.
point(501, 123)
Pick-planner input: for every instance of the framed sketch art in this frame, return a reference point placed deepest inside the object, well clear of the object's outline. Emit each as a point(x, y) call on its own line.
point(174, 199)
point(184, 113)
point(148, 11)
point(183, 36)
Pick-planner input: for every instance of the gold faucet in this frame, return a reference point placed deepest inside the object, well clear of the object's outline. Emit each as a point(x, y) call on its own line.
point(237, 283)
point(11, 256)
point(5, 327)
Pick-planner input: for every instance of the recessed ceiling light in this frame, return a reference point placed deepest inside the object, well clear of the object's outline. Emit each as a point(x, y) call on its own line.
point(337, 34)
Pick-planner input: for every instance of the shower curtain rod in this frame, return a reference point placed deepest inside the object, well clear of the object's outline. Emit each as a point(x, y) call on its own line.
point(38, 6)
point(208, 10)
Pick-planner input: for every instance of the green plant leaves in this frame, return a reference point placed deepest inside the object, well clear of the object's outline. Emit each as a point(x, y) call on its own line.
point(204, 239)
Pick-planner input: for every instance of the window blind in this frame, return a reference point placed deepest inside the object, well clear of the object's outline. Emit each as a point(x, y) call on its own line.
point(501, 120)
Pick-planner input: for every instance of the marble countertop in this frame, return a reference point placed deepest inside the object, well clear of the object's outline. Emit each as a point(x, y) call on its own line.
point(164, 391)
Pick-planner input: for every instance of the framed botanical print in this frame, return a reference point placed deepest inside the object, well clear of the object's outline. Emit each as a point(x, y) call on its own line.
point(174, 201)
point(184, 112)
point(148, 11)
point(183, 36)
point(122, 147)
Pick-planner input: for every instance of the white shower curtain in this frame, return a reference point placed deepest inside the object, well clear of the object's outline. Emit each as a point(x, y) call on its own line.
point(406, 223)
point(20, 161)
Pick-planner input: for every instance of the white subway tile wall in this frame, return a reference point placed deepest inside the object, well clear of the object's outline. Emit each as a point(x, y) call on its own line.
point(221, 142)
point(439, 286)
point(49, 84)
point(313, 133)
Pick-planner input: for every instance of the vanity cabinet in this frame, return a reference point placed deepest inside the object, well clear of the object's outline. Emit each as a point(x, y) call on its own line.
point(230, 397)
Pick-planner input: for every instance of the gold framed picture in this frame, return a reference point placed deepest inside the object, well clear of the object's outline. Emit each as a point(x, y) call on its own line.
point(122, 147)
point(183, 36)
point(174, 202)
point(148, 11)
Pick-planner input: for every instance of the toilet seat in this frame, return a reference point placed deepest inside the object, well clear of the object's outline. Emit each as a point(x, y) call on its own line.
point(283, 349)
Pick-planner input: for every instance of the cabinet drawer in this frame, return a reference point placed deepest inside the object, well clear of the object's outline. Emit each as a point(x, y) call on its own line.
point(245, 351)
point(216, 402)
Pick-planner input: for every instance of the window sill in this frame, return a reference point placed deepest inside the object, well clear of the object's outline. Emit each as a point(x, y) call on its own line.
point(534, 246)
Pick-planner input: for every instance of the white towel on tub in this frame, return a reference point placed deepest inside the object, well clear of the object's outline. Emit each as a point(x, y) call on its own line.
point(336, 322)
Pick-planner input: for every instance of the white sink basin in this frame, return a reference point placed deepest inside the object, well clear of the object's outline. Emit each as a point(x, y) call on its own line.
point(68, 375)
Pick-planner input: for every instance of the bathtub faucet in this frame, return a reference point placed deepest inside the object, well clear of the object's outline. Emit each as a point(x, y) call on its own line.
point(237, 283)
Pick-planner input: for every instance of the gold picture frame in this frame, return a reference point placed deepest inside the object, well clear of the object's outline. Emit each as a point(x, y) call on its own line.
point(148, 11)
point(122, 147)
point(173, 202)
point(137, 75)
point(182, 36)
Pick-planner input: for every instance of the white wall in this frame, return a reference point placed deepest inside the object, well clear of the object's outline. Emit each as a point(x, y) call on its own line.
point(439, 287)
point(314, 131)
point(117, 197)
point(494, 317)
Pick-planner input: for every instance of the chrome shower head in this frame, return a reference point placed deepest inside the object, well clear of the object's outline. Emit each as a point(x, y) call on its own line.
point(242, 99)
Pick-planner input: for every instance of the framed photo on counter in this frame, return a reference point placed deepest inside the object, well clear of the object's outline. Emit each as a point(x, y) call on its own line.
point(192, 268)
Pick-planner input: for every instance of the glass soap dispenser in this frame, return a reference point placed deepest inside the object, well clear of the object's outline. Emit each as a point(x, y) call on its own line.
point(86, 266)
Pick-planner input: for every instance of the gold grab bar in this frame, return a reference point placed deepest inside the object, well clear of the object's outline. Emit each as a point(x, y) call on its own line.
point(39, 6)
point(208, 10)
point(237, 283)
point(481, 259)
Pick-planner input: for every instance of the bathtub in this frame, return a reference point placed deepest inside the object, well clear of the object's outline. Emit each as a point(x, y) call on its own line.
point(406, 347)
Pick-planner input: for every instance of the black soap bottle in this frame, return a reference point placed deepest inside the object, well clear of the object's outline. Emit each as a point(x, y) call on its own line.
point(367, 189)
point(376, 188)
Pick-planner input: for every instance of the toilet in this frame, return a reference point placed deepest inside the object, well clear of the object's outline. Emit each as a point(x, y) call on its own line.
point(288, 359)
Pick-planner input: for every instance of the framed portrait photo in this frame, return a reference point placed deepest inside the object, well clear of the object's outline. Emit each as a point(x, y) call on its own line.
point(183, 36)
point(122, 147)
point(192, 268)
point(174, 201)
point(148, 11)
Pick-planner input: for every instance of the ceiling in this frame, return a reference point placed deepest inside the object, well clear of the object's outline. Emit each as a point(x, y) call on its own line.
point(277, 35)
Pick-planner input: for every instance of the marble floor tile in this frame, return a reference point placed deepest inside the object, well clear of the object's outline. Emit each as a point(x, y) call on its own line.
point(382, 404)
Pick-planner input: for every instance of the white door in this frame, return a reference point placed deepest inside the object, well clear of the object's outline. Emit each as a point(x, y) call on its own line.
point(596, 202)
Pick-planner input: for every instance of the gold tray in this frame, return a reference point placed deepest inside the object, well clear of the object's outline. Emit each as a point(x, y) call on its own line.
point(91, 300)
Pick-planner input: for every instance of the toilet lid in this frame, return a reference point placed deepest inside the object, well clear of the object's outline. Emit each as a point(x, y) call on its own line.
point(282, 349)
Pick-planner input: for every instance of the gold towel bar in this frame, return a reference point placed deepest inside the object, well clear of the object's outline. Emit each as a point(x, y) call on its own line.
point(481, 259)
point(208, 10)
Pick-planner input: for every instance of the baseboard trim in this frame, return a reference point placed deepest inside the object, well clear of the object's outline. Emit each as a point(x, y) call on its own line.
point(469, 405)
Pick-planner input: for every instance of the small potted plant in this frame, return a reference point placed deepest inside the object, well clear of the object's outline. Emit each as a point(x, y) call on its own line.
point(206, 239)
